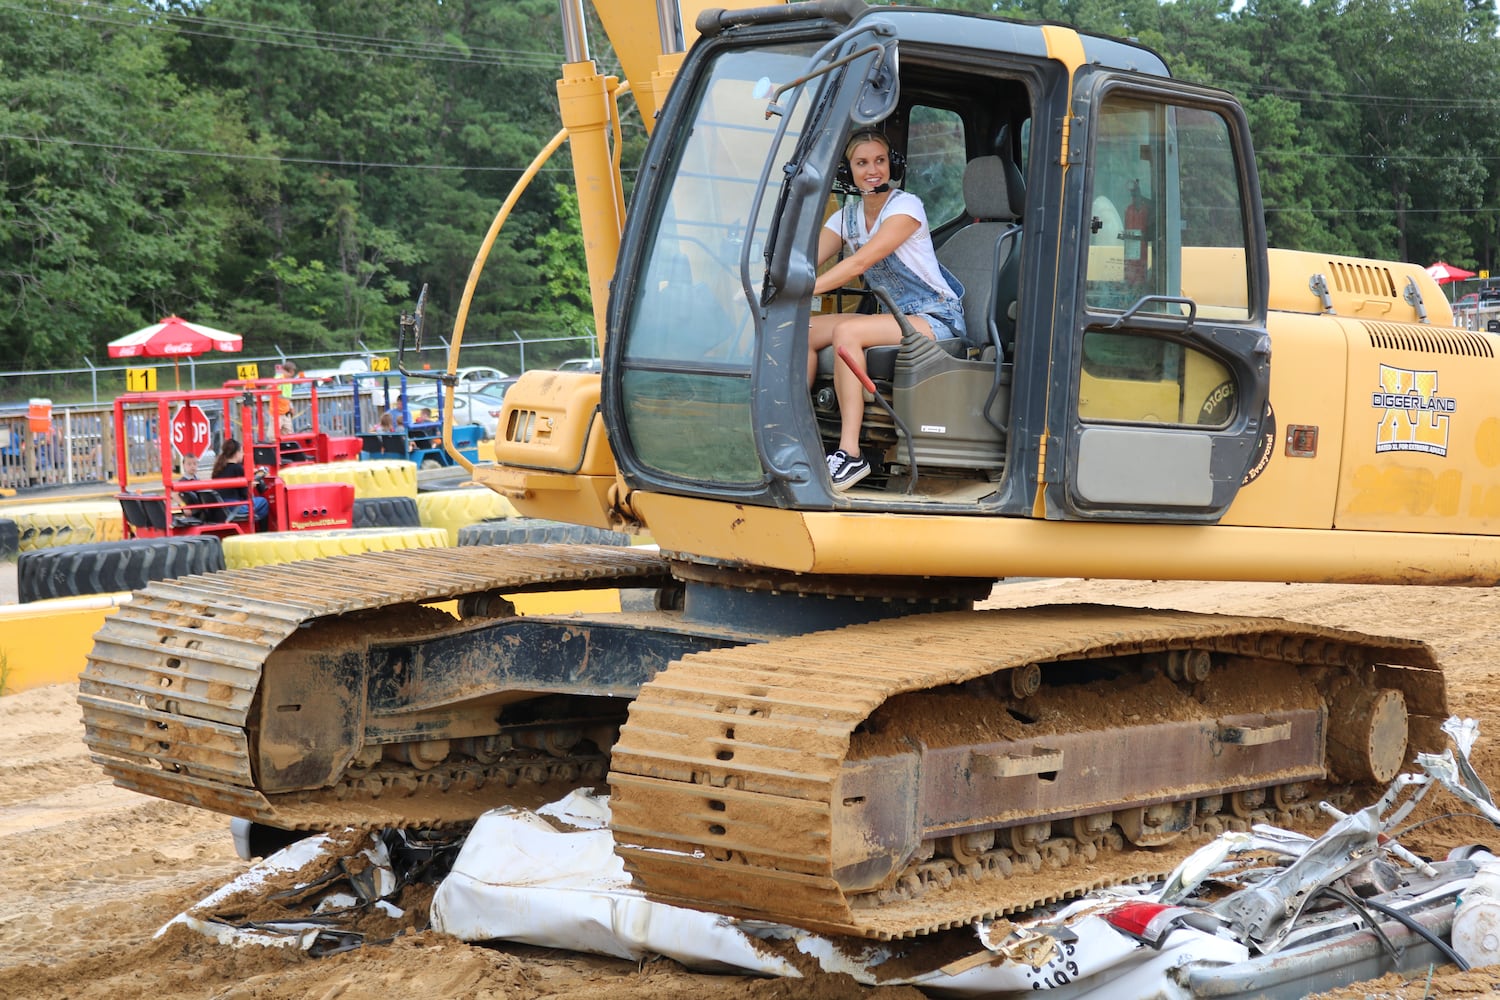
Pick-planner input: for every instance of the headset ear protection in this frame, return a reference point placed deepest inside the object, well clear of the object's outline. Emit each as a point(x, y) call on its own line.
point(843, 177)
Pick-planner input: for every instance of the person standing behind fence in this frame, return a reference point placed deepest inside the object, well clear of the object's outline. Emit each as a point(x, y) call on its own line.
point(285, 370)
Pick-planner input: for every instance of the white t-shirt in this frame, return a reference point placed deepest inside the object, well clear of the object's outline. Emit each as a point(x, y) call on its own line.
point(916, 251)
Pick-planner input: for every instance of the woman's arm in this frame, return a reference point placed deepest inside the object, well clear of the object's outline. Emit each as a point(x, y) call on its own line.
point(829, 243)
point(889, 235)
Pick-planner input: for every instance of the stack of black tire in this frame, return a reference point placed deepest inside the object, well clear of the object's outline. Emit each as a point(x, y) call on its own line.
point(111, 567)
point(386, 512)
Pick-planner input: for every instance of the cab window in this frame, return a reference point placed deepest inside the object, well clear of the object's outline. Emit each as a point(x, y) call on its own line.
point(935, 162)
point(1166, 217)
point(1167, 235)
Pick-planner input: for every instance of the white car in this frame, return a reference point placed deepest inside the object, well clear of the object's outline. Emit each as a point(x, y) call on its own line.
point(468, 408)
point(479, 374)
point(342, 375)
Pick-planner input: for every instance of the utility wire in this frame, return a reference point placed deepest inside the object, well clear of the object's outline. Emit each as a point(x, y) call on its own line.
point(300, 38)
point(215, 154)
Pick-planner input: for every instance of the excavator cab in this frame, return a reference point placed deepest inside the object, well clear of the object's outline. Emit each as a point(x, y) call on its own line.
point(1116, 361)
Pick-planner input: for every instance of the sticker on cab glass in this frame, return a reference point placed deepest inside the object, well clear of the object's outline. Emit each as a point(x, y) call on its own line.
point(1415, 417)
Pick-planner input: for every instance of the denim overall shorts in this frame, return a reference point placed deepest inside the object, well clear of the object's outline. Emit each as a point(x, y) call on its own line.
point(944, 311)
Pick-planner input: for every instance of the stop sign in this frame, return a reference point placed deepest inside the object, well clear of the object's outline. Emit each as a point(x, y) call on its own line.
point(190, 431)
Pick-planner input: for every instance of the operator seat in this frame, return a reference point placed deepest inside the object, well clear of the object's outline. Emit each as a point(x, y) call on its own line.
point(987, 265)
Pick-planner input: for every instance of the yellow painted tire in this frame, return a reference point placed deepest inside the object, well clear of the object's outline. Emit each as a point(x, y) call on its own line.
point(455, 509)
point(385, 477)
point(48, 525)
point(272, 547)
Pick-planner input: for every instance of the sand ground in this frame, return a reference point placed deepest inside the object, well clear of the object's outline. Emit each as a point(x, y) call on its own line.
point(88, 871)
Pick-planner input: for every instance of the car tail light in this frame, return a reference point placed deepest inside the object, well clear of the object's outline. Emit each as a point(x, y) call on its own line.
point(1154, 922)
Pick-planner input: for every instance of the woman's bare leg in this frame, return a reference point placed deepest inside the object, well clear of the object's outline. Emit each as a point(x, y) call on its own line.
point(858, 333)
point(819, 336)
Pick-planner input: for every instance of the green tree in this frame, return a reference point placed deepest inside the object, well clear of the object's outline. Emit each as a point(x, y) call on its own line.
point(116, 205)
point(400, 127)
point(561, 265)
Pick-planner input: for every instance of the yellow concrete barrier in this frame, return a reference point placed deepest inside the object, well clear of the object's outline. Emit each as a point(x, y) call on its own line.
point(46, 642)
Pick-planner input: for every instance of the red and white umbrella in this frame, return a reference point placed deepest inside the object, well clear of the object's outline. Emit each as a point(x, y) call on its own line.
point(173, 337)
point(1442, 272)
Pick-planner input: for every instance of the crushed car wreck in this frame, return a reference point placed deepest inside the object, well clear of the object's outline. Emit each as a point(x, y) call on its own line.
point(1266, 912)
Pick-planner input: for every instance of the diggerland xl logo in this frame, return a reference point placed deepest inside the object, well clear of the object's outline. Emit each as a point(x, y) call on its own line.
point(1415, 417)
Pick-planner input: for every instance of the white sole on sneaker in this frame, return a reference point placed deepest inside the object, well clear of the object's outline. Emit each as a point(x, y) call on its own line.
point(840, 485)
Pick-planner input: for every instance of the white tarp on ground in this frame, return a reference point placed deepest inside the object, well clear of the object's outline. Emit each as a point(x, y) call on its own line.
point(518, 878)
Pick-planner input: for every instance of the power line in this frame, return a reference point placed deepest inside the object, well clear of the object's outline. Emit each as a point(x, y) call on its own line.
point(1377, 210)
point(293, 37)
point(222, 155)
point(299, 38)
point(1404, 157)
point(1356, 97)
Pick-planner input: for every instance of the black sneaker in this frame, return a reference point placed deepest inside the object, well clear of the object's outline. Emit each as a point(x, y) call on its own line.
point(845, 470)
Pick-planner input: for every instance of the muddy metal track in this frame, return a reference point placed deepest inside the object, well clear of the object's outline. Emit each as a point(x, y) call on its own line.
point(733, 787)
point(885, 780)
point(168, 692)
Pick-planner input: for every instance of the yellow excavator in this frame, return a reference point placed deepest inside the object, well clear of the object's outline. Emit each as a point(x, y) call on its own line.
point(802, 711)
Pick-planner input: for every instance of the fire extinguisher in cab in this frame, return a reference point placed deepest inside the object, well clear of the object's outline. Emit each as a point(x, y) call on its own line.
point(1135, 236)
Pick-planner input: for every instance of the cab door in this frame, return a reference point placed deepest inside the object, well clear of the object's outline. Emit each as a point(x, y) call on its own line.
point(1161, 374)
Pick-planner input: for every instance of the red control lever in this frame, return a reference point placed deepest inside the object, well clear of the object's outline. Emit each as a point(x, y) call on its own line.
point(858, 370)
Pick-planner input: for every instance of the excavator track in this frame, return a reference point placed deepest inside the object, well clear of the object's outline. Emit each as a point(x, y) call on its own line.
point(830, 780)
point(169, 690)
point(886, 780)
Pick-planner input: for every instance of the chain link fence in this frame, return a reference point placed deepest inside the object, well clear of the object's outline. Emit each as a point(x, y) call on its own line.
point(92, 383)
point(80, 446)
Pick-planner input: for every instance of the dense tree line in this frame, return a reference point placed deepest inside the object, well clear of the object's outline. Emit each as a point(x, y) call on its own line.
point(291, 170)
point(1376, 122)
point(296, 170)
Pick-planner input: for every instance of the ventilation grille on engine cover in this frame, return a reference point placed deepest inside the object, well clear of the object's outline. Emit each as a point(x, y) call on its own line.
point(1362, 279)
point(1429, 340)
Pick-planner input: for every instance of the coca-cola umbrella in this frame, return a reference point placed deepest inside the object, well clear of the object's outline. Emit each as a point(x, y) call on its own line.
point(174, 338)
point(1442, 272)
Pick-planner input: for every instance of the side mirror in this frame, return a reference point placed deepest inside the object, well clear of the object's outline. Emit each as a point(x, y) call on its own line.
point(411, 326)
point(881, 90)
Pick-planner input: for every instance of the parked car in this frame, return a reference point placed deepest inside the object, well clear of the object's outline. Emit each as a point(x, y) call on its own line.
point(481, 407)
point(342, 375)
point(480, 374)
point(498, 389)
point(580, 365)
